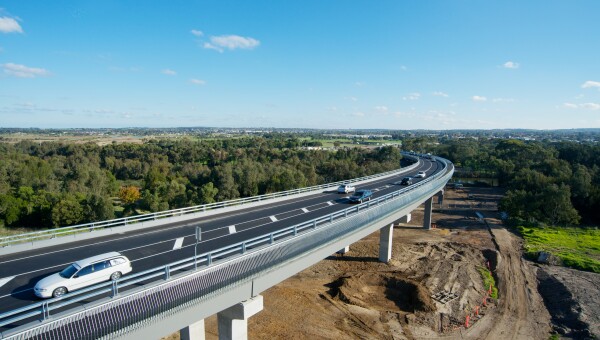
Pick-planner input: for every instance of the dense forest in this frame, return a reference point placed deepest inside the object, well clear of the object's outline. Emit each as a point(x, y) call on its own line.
point(53, 184)
point(555, 183)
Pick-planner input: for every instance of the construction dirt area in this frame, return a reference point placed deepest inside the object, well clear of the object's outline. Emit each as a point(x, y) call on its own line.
point(432, 286)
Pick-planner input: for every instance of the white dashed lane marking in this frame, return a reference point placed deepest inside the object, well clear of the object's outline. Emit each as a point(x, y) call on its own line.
point(273, 218)
point(305, 210)
point(178, 243)
point(232, 229)
point(329, 202)
point(5, 280)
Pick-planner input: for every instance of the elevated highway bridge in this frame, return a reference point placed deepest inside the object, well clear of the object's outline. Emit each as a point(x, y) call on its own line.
point(246, 247)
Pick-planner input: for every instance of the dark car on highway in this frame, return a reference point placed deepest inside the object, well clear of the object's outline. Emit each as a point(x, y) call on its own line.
point(361, 196)
point(406, 181)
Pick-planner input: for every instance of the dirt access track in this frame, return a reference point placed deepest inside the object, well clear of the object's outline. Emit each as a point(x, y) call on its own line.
point(426, 291)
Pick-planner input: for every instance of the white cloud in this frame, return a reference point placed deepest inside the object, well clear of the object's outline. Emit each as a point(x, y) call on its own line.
point(231, 42)
point(22, 71)
point(479, 98)
point(441, 94)
point(570, 105)
point(381, 109)
point(412, 96)
point(403, 68)
point(197, 33)
point(590, 106)
point(358, 114)
point(503, 100)
point(354, 99)
point(359, 83)
point(197, 81)
point(511, 65)
point(9, 25)
point(590, 84)
point(586, 106)
point(168, 72)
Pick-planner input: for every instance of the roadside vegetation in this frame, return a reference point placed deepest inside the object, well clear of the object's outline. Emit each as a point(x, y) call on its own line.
point(488, 281)
point(577, 248)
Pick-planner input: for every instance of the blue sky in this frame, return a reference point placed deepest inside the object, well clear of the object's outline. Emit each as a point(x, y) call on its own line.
point(300, 64)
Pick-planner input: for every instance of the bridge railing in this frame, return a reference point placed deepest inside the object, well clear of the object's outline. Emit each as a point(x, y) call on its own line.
point(118, 222)
point(204, 263)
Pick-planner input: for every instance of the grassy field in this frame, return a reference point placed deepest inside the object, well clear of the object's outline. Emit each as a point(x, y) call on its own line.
point(578, 248)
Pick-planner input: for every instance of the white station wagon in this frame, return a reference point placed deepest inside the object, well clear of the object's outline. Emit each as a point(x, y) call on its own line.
point(83, 273)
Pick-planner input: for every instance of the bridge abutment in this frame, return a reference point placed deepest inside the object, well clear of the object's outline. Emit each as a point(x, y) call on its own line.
point(233, 321)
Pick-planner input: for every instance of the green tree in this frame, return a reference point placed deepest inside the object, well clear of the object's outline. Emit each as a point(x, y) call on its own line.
point(67, 211)
point(208, 193)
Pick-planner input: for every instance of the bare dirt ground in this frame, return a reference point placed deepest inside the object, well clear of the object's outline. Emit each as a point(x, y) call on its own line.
point(573, 299)
point(355, 296)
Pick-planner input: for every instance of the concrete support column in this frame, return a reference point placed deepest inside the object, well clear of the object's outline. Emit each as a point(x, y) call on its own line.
point(344, 250)
point(233, 321)
point(405, 219)
point(427, 213)
point(385, 243)
point(194, 331)
point(440, 196)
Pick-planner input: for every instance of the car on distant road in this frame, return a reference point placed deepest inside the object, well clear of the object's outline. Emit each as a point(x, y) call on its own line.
point(361, 196)
point(406, 181)
point(346, 188)
point(420, 174)
point(83, 273)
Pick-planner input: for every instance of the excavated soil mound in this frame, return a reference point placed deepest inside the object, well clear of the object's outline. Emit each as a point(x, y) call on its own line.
point(383, 291)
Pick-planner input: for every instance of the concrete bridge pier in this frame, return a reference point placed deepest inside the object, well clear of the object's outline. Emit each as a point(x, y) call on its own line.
point(233, 321)
point(440, 196)
point(427, 213)
point(194, 331)
point(405, 219)
point(344, 250)
point(385, 243)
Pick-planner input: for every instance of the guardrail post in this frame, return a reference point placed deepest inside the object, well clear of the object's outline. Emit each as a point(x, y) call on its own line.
point(315, 224)
point(209, 259)
point(295, 230)
point(45, 311)
point(167, 272)
point(331, 218)
point(272, 238)
point(244, 248)
point(115, 289)
point(345, 212)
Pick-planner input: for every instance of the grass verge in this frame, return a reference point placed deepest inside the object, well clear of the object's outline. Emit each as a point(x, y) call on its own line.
point(488, 280)
point(577, 248)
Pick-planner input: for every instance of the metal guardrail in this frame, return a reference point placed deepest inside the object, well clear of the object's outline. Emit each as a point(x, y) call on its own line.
point(88, 227)
point(205, 266)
